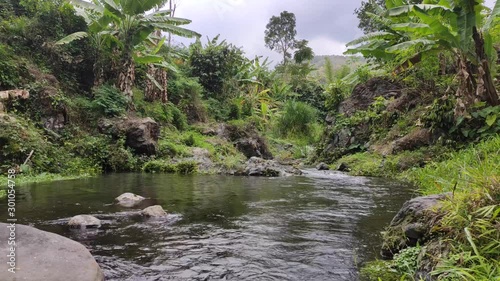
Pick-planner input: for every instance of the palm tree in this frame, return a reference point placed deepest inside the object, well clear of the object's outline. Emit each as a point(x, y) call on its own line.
point(130, 24)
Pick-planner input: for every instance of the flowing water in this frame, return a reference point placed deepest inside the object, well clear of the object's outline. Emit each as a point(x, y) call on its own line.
point(320, 226)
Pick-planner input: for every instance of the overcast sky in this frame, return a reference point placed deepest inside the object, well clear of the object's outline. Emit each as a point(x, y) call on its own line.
point(326, 24)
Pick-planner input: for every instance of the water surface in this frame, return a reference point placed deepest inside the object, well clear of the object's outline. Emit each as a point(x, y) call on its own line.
point(321, 226)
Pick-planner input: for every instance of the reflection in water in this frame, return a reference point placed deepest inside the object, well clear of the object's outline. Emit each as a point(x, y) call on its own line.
point(317, 227)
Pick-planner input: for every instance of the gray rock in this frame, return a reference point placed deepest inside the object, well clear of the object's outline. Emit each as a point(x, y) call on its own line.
point(55, 122)
point(129, 200)
point(412, 225)
point(268, 168)
point(43, 255)
point(2, 108)
point(415, 139)
point(349, 139)
point(141, 134)
point(246, 139)
point(84, 221)
point(154, 212)
point(343, 167)
point(322, 167)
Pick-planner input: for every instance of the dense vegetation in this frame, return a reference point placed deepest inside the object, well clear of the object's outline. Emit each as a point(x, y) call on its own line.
point(83, 63)
point(436, 121)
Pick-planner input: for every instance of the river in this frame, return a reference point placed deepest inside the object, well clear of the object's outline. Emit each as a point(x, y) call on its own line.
point(320, 226)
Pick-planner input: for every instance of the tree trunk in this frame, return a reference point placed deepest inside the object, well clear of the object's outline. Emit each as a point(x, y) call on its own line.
point(486, 87)
point(126, 78)
point(162, 73)
point(152, 92)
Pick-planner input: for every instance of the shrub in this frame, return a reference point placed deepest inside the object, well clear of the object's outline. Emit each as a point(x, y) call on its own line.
point(186, 168)
point(109, 101)
point(297, 119)
point(179, 119)
point(120, 159)
point(158, 166)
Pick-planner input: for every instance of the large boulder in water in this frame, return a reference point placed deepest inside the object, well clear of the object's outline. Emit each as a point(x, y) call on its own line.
point(259, 167)
point(84, 221)
point(129, 200)
point(412, 225)
point(43, 255)
point(141, 134)
point(155, 211)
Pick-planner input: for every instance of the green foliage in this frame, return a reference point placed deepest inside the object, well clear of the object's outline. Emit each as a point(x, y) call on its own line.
point(187, 168)
point(216, 64)
point(312, 93)
point(160, 166)
point(297, 118)
point(163, 113)
point(458, 28)
point(401, 268)
point(109, 101)
point(18, 138)
point(10, 69)
point(379, 270)
point(179, 119)
point(33, 28)
point(470, 168)
point(183, 88)
point(303, 52)
point(484, 122)
point(335, 93)
point(120, 159)
point(406, 262)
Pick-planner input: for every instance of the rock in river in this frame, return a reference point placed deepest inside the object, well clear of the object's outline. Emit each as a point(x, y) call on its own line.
point(268, 168)
point(43, 255)
point(322, 167)
point(154, 212)
point(129, 200)
point(84, 221)
point(412, 225)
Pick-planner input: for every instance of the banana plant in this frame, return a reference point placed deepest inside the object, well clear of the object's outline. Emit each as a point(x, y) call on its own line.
point(455, 26)
point(130, 23)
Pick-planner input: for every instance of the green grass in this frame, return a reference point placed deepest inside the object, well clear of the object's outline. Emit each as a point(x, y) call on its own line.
point(469, 223)
point(45, 177)
point(469, 169)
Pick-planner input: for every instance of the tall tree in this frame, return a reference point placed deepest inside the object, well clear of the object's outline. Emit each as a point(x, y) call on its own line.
point(280, 34)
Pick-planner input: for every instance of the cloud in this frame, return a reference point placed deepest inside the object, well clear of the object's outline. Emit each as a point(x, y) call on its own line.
point(327, 24)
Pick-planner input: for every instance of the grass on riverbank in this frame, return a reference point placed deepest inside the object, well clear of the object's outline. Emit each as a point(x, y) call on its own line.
point(470, 226)
point(44, 177)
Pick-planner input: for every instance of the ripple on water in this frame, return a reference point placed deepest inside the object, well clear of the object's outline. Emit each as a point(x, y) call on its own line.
point(227, 228)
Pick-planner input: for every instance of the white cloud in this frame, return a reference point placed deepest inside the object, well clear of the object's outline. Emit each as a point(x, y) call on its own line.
point(327, 46)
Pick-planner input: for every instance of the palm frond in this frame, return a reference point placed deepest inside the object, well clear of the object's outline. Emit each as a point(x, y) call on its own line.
point(72, 37)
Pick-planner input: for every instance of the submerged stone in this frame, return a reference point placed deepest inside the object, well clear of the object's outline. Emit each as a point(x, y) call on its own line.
point(129, 200)
point(84, 221)
point(154, 212)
